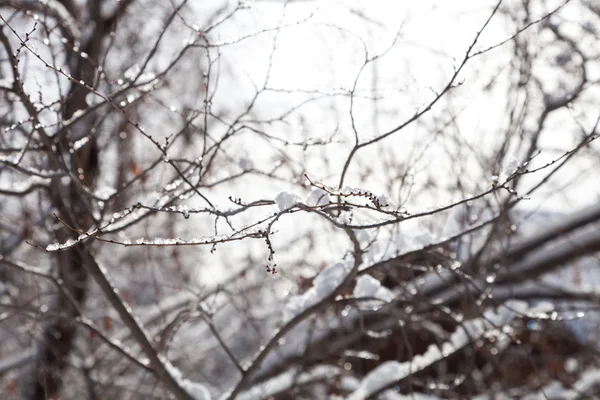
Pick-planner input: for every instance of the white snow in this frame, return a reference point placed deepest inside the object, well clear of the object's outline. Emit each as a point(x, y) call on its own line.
point(392, 371)
point(194, 389)
point(299, 303)
point(391, 395)
point(105, 192)
point(384, 200)
point(330, 278)
point(81, 142)
point(285, 200)
point(286, 380)
point(245, 163)
point(345, 217)
point(389, 371)
point(510, 166)
point(325, 283)
point(363, 236)
point(555, 389)
point(367, 286)
point(203, 240)
point(318, 197)
point(61, 246)
point(27, 184)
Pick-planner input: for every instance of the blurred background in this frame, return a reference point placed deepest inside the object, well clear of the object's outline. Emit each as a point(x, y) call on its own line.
point(299, 199)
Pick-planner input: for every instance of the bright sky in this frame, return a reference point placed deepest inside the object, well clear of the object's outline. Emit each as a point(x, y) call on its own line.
point(326, 51)
point(323, 47)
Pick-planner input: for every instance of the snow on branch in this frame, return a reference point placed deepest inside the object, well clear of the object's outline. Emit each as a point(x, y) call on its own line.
point(379, 201)
point(161, 242)
point(555, 390)
point(196, 390)
point(289, 380)
point(367, 286)
point(390, 372)
point(285, 200)
point(26, 186)
point(323, 285)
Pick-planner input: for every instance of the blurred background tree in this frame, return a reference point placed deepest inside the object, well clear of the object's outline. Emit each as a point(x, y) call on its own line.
point(292, 199)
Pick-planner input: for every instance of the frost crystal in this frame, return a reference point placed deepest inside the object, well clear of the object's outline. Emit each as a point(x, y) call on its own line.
point(286, 200)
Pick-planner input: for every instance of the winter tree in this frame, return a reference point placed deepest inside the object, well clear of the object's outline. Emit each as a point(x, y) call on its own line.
point(299, 199)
